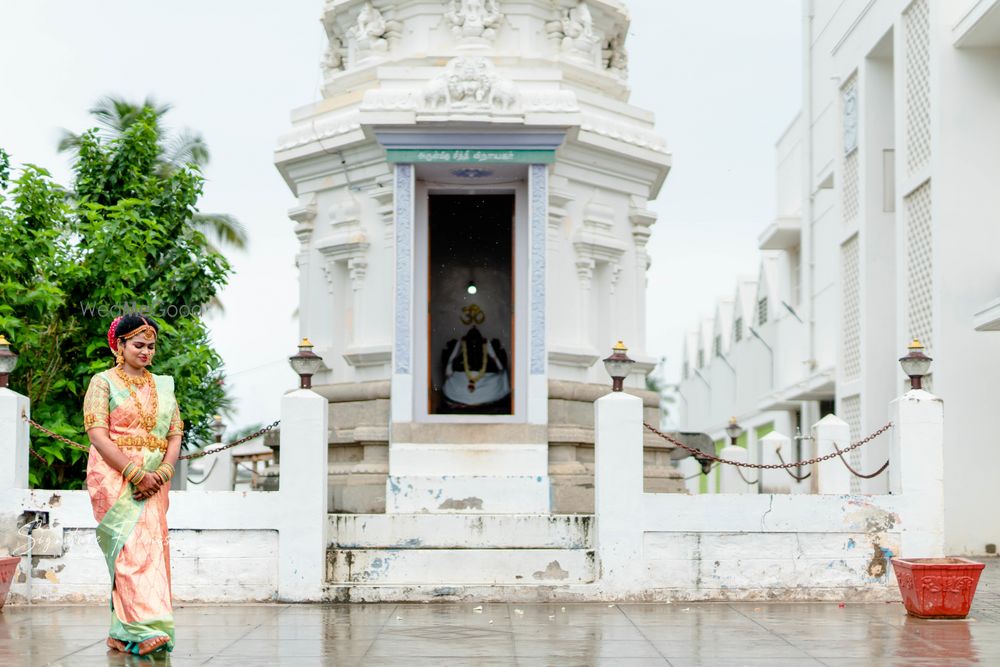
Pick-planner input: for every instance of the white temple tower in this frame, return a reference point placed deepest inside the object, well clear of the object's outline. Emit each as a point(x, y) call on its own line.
point(473, 164)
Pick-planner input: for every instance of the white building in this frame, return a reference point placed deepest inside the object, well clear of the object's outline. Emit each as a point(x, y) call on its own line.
point(885, 230)
point(472, 154)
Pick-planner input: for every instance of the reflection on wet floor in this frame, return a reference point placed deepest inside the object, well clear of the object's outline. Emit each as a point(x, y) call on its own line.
point(681, 634)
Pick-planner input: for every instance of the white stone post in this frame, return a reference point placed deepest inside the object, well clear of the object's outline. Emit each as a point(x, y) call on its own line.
point(14, 434)
point(303, 496)
point(916, 471)
point(219, 475)
point(776, 481)
point(691, 470)
point(730, 479)
point(831, 476)
point(618, 487)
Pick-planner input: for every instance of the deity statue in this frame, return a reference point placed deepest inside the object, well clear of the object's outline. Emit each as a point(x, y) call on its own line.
point(333, 58)
point(369, 31)
point(615, 56)
point(470, 82)
point(474, 18)
point(475, 371)
point(578, 29)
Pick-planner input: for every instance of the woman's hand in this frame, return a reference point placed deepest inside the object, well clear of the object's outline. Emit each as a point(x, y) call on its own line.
point(147, 486)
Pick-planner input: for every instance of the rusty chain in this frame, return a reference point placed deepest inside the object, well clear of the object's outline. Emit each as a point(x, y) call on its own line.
point(797, 478)
point(770, 466)
point(216, 450)
point(195, 455)
point(854, 472)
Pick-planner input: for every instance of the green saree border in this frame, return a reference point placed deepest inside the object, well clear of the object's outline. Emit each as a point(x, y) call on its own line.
point(113, 532)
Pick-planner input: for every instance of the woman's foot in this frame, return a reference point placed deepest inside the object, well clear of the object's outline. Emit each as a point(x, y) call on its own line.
point(150, 645)
point(116, 644)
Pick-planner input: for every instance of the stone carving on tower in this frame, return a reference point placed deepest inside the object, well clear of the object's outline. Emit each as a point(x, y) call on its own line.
point(470, 82)
point(474, 21)
point(334, 56)
point(615, 57)
point(578, 36)
point(371, 33)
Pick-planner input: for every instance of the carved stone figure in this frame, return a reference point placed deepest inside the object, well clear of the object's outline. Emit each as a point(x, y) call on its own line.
point(470, 82)
point(474, 18)
point(369, 31)
point(436, 93)
point(615, 56)
point(578, 30)
point(503, 94)
point(333, 58)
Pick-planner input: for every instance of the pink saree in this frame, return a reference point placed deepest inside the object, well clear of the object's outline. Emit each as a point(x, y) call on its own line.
point(132, 533)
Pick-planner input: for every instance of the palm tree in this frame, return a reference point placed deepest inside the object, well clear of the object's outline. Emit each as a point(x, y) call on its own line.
point(177, 149)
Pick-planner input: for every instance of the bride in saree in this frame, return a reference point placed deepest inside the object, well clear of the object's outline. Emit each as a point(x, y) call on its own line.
point(134, 426)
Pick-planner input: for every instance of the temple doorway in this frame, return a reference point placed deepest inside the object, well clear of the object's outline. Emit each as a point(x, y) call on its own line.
point(470, 305)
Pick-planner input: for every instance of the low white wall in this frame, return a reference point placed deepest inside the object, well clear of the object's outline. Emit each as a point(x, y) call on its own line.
point(786, 547)
point(225, 546)
point(765, 547)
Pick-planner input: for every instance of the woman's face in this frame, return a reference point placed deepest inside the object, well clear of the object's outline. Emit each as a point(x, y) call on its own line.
point(139, 352)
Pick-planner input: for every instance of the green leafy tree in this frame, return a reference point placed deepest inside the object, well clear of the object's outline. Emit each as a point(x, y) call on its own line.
point(69, 263)
point(176, 150)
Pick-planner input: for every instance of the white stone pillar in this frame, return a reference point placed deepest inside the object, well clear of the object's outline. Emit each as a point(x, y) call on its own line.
point(402, 352)
point(618, 488)
point(538, 382)
point(303, 496)
point(217, 473)
point(691, 470)
point(733, 479)
point(831, 476)
point(776, 481)
point(14, 437)
point(916, 471)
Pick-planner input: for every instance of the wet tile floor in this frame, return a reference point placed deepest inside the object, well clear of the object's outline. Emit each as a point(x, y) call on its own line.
point(681, 634)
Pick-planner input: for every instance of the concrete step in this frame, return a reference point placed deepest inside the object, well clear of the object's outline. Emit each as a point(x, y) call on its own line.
point(473, 594)
point(460, 531)
point(470, 494)
point(460, 567)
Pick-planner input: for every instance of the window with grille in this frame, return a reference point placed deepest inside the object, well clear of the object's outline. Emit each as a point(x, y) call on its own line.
point(762, 311)
point(738, 329)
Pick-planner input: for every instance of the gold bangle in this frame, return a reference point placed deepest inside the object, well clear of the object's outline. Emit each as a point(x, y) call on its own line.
point(133, 472)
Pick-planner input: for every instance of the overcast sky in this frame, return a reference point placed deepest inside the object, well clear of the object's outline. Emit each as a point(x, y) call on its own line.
point(722, 76)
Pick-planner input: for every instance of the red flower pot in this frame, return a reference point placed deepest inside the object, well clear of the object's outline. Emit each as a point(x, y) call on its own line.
point(937, 587)
point(8, 568)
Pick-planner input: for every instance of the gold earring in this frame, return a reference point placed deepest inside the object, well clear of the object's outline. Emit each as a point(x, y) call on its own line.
point(119, 357)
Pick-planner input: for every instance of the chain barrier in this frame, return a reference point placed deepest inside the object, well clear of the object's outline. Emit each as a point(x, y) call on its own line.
point(192, 456)
point(776, 466)
point(855, 472)
point(797, 478)
point(745, 480)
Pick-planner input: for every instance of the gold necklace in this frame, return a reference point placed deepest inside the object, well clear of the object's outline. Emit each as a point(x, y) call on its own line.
point(473, 377)
point(147, 420)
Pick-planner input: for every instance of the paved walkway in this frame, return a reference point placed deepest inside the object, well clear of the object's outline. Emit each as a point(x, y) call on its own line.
point(717, 634)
